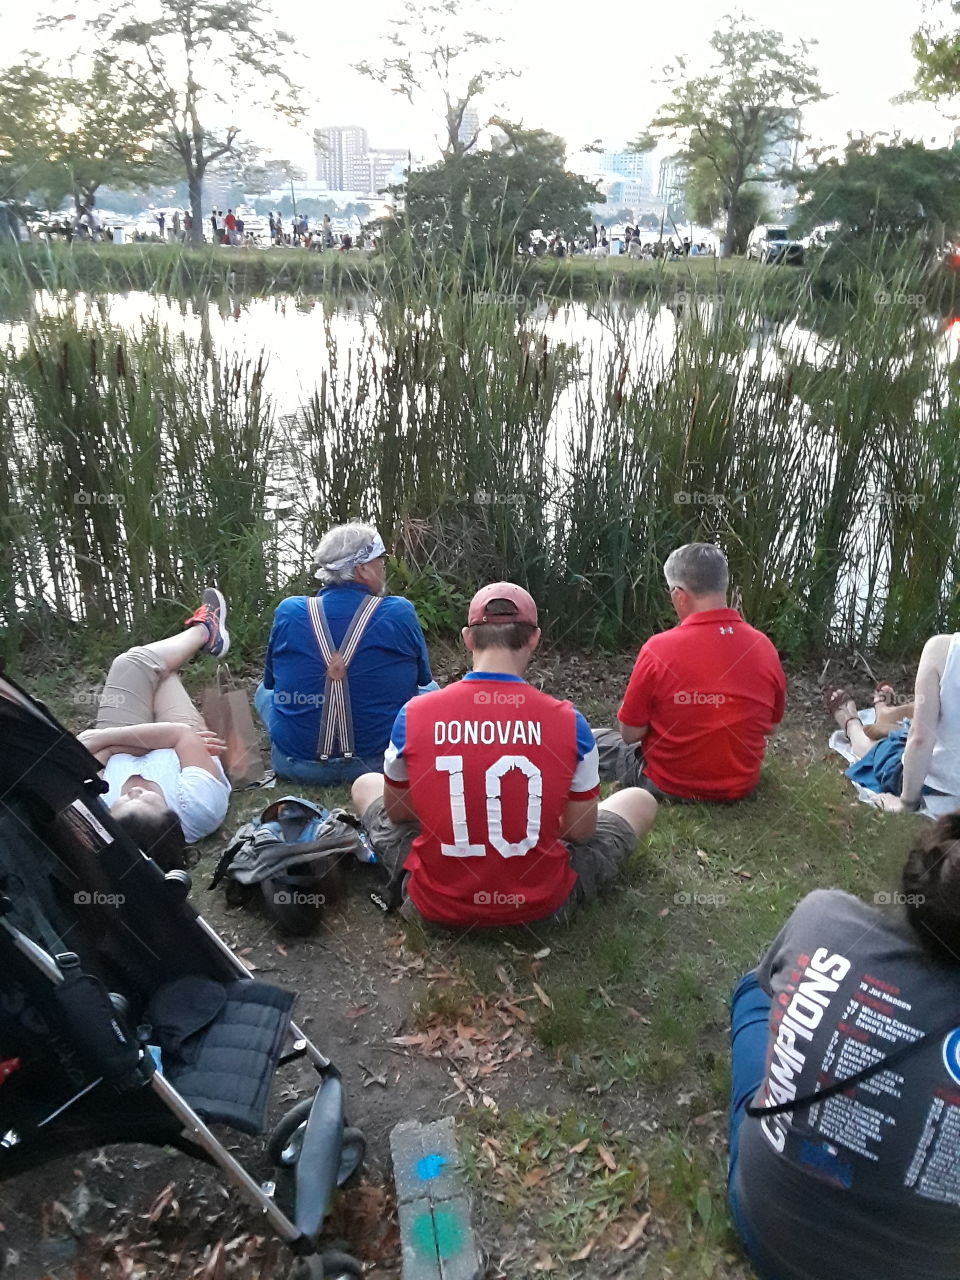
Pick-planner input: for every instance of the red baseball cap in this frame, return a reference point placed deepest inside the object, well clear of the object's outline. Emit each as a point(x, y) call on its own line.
point(524, 608)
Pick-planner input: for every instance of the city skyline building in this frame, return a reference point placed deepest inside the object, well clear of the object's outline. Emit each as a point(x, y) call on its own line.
point(341, 153)
point(345, 161)
point(469, 126)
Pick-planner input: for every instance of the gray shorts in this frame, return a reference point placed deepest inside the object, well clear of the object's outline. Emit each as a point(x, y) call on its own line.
point(596, 862)
point(623, 762)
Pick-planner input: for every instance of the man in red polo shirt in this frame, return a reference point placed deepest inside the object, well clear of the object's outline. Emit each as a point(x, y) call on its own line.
point(488, 801)
point(702, 697)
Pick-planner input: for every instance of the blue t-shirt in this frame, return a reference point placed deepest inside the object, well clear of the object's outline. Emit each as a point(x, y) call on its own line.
point(387, 670)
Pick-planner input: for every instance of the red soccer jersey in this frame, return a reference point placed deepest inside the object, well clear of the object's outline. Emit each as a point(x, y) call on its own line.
point(710, 690)
point(490, 764)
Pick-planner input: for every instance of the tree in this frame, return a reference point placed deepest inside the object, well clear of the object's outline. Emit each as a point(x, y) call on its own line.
point(498, 196)
point(197, 60)
point(257, 178)
point(69, 136)
point(434, 51)
point(734, 120)
point(900, 188)
point(937, 51)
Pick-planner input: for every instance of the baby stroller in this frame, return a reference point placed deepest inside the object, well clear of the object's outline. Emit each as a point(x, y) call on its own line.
point(106, 970)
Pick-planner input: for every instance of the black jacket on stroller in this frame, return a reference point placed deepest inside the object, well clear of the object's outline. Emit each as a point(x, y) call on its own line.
point(101, 956)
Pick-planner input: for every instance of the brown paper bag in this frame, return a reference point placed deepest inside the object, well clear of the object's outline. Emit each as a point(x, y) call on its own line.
point(226, 710)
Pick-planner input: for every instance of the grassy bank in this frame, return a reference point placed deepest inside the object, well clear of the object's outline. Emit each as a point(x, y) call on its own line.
point(163, 268)
point(614, 1113)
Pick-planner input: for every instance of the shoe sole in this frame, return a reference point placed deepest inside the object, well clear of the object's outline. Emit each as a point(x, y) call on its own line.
point(224, 633)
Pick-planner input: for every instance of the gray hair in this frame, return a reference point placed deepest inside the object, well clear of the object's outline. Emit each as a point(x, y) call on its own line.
point(699, 567)
point(343, 542)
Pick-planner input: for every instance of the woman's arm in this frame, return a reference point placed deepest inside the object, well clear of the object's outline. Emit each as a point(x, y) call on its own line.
point(135, 739)
point(192, 748)
point(922, 737)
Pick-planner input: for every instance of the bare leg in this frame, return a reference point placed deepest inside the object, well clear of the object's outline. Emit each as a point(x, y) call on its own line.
point(888, 718)
point(367, 788)
point(636, 805)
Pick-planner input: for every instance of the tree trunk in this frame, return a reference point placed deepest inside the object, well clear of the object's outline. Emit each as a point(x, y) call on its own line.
point(730, 231)
point(195, 187)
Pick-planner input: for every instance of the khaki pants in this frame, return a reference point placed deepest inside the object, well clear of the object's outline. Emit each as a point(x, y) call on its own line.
point(139, 690)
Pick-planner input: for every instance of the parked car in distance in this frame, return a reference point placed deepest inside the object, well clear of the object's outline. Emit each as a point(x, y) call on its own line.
point(769, 243)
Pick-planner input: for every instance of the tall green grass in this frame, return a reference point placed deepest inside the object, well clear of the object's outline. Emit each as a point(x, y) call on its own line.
point(823, 459)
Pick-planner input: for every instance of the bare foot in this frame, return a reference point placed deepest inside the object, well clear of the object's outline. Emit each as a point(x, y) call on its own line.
point(883, 694)
point(846, 712)
point(841, 705)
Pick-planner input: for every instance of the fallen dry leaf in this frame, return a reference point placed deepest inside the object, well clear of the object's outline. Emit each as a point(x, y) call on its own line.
point(216, 1268)
point(545, 1263)
point(607, 1157)
point(581, 1146)
point(542, 995)
point(585, 1252)
point(635, 1233)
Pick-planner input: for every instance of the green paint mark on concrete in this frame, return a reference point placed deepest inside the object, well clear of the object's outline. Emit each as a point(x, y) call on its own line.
point(438, 1235)
point(449, 1233)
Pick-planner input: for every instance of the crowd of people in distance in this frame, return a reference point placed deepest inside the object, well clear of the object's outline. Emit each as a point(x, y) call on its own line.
point(599, 243)
point(483, 800)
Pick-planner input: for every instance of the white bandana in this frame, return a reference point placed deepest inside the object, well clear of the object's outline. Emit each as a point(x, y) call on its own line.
point(372, 551)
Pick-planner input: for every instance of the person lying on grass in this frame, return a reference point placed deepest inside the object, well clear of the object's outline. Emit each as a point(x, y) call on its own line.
point(167, 786)
point(907, 766)
point(488, 804)
point(865, 1184)
point(702, 698)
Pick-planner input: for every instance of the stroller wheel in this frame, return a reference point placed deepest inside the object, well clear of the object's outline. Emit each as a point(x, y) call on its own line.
point(283, 1145)
point(352, 1152)
point(340, 1266)
point(331, 1265)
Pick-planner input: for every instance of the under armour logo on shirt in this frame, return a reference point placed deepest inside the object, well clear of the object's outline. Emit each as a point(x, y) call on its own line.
point(726, 631)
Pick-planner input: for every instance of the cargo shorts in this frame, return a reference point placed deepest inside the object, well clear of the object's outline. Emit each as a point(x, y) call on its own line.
point(596, 861)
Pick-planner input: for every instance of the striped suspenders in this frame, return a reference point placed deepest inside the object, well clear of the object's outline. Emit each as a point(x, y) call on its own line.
point(336, 722)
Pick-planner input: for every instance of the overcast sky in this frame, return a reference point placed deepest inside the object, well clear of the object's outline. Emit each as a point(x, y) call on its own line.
point(588, 70)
